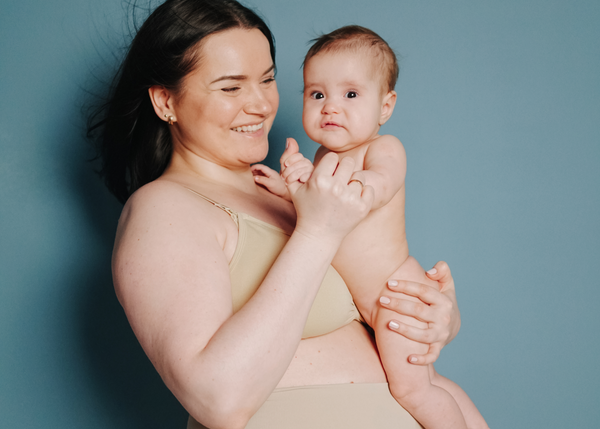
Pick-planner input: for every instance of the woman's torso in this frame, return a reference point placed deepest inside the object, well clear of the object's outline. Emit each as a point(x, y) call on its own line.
point(345, 355)
point(344, 361)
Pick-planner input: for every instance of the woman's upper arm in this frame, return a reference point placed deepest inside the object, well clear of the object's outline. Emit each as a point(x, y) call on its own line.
point(171, 276)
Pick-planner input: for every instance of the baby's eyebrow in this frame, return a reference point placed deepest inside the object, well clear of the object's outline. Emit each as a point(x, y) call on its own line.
point(354, 84)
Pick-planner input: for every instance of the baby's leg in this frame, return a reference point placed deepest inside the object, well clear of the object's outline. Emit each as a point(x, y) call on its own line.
point(430, 405)
point(470, 412)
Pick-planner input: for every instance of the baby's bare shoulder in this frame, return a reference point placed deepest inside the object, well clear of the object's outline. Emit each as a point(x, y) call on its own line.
point(386, 145)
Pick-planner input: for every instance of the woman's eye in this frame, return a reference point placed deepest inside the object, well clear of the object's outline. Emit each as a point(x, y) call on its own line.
point(269, 80)
point(232, 89)
point(317, 95)
point(351, 94)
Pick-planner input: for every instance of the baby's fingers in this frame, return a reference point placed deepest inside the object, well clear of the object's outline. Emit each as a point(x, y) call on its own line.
point(291, 148)
point(262, 170)
point(297, 169)
point(299, 174)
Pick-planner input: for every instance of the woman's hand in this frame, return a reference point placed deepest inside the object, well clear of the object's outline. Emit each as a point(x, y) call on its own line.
point(438, 308)
point(327, 205)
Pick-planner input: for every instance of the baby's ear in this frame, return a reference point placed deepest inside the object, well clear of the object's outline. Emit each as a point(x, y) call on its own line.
point(387, 106)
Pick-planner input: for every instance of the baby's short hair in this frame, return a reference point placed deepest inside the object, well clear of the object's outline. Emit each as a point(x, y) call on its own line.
point(356, 38)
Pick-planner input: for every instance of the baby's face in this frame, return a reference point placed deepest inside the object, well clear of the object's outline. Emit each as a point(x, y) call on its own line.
point(343, 100)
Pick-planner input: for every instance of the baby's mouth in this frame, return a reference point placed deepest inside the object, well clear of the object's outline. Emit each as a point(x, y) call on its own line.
point(248, 128)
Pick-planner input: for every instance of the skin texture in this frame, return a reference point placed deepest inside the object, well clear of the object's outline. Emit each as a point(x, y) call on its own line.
point(171, 254)
point(344, 107)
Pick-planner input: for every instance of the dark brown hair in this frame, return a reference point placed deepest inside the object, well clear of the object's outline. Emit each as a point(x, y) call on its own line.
point(356, 39)
point(134, 145)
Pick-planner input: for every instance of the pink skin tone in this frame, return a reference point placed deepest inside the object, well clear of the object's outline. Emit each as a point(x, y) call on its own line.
point(344, 107)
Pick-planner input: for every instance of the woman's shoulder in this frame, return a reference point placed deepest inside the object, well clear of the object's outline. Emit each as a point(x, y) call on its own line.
point(158, 191)
point(162, 202)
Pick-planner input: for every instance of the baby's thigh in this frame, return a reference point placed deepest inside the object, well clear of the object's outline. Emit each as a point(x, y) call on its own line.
point(410, 270)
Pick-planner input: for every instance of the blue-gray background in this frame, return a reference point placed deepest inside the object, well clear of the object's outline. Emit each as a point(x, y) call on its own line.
point(499, 111)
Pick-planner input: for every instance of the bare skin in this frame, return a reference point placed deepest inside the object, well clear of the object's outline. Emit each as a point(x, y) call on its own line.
point(344, 108)
point(171, 254)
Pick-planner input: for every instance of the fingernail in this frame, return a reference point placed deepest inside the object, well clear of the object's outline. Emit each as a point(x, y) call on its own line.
point(393, 325)
point(432, 271)
point(393, 283)
point(385, 300)
point(287, 143)
point(413, 359)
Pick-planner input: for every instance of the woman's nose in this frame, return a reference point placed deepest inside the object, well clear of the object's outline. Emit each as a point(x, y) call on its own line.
point(259, 103)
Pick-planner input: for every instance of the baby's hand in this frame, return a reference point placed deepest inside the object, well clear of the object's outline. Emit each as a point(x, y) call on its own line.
point(271, 180)
point(294, 166)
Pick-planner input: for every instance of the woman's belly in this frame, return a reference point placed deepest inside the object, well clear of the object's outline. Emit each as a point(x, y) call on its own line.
point(347, 355)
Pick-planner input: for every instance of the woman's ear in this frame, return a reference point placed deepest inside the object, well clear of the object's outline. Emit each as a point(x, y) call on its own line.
point(162, 101)
point(387, 107)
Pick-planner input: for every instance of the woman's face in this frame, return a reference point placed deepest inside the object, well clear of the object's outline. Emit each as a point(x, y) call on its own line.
point(228, 103)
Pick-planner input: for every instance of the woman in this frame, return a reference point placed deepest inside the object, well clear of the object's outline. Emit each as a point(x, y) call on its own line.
point(229, 290)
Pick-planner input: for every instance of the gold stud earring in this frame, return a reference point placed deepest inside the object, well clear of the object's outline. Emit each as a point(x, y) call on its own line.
point(170, 118)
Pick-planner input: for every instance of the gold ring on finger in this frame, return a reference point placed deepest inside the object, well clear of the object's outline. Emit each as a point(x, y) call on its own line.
point(356, 180)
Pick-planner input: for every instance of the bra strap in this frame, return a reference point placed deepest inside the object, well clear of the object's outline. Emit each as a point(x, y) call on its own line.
point(233, 215)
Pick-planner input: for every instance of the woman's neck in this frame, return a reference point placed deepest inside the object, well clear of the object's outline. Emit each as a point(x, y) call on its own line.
point(197, 168)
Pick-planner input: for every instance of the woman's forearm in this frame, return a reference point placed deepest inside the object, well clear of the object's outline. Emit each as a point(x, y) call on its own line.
point(247, 356)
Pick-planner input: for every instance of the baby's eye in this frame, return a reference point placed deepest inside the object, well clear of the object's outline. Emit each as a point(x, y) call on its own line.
point(231, 89)
point(317, 95)
point(351, 94)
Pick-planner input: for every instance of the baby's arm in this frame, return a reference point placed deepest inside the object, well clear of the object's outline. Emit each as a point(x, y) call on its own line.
point(271, 180)
point(385, 168)
point(294, 167)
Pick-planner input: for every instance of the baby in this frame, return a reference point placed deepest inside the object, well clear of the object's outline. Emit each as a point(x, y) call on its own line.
point(349, 80)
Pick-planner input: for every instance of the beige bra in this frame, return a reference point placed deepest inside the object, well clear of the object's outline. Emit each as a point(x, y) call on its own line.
point(259, 244)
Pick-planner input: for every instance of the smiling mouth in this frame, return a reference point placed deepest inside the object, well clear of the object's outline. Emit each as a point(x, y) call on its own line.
point(248, 128)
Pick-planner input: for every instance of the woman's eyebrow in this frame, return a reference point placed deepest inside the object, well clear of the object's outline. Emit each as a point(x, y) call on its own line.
point(240, 76)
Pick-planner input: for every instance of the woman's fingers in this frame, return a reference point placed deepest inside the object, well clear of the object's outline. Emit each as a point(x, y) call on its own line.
point(435, 306)
point(328, 165)
point(345, 169)
point(358, 177)
point(427, 294)
point(418, 310)
point(326, 205)
point(432, 355)
point(424, 336)
point(441, 273)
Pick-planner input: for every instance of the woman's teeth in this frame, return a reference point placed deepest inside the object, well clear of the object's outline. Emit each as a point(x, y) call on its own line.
point(248, 128)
